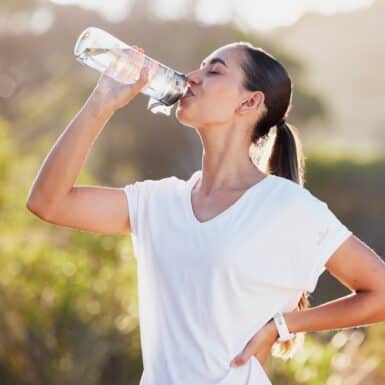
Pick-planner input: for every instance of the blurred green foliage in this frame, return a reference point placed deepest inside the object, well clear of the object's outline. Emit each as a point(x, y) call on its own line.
point(68, 309)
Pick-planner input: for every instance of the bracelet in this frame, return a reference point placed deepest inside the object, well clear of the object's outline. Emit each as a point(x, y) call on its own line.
point(283, 331)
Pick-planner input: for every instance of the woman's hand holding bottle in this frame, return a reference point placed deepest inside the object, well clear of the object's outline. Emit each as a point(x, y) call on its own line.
point(110, 94)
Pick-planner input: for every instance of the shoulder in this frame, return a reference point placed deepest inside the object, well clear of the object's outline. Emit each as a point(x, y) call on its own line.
point(291, 188)
point(147, 187)
point(297, 196)
point(154, 183)
point(159, 187)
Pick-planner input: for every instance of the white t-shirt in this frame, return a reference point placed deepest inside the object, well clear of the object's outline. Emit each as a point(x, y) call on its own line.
point(205, 288)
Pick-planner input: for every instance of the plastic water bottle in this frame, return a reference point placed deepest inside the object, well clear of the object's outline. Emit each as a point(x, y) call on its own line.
point(94, 48)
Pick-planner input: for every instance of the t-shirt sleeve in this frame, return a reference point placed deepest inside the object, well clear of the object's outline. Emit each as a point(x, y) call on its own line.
point(319, 233)
point(145, 201)
point(134, 194)
point(137, 195)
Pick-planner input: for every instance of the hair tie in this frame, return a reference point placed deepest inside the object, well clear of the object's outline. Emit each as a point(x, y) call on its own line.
point(281, 122)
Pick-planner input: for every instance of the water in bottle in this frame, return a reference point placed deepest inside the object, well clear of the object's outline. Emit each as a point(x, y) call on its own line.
point(94, 48)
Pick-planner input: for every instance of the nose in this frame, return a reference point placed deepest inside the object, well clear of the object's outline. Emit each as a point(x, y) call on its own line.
point(193, 77)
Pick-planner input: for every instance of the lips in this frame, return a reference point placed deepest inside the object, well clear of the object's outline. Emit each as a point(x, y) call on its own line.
point(188, 93)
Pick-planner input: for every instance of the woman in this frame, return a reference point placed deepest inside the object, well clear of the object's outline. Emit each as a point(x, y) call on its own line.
point(223, 254)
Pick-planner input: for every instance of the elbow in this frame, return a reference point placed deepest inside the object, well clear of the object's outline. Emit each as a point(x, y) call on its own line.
point(35, 208)
point(30, 207)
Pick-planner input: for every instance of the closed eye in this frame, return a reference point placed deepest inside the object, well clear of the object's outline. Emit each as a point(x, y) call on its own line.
point(213, 72)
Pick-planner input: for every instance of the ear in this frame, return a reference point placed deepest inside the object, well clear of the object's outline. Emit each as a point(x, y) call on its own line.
point(253, 102)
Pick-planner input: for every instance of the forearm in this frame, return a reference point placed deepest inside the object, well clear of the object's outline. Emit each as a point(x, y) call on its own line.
point(354, 310)
point(64, 161)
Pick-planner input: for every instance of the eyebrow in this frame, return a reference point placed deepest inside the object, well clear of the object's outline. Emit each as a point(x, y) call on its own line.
point(215, 60)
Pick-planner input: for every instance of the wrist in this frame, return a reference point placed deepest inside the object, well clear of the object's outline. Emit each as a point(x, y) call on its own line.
point(97, 105)
point(272, 330)
point(284, 333)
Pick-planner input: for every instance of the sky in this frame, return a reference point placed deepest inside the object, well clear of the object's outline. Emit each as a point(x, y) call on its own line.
point(250, 14)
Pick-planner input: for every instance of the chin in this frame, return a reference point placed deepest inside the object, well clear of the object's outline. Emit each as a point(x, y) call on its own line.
point(183, 115)
point(191, 115)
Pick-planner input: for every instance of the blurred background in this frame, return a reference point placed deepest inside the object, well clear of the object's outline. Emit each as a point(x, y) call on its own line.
point(68, 305)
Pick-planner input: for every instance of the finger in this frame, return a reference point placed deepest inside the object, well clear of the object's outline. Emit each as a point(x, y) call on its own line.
point(131, 67)
point(141, 82)
point(239, 360)
point(143, 78)
point(126, 70)
point(122, 67)
point(139, 62)
point(113, 65)
point(244, 356)
point(140, 57)
point(137, 47)
point(131, 49)
point(152, 67)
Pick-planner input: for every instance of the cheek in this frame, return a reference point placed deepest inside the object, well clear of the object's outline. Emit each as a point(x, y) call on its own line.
point(223, 101)
point(216, 109)
point(222, 93)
